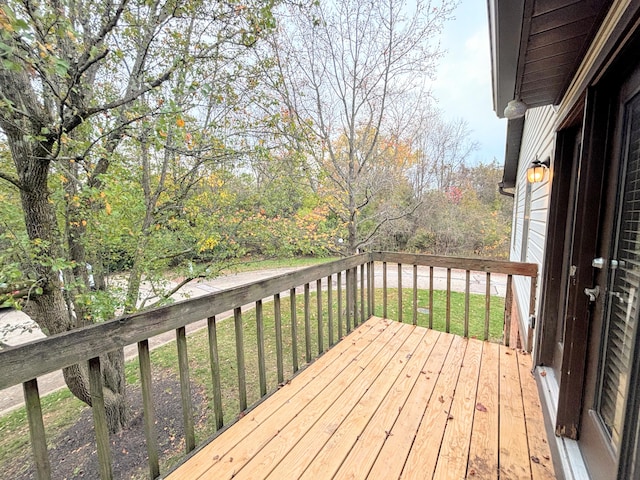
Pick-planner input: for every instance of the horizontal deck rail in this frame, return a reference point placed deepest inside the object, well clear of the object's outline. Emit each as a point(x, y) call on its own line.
point(346, 295)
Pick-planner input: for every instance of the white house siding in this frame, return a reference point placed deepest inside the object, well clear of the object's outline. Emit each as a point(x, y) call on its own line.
point(538, 140)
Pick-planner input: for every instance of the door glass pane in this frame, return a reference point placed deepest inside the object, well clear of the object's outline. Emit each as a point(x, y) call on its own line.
point(624, 285)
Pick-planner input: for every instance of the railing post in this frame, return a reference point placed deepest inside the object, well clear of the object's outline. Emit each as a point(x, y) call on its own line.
point(372, 282)
point(348, 298)
point(307, 324)
point(330, 309)
point(508, 306)
point(149, 415)
point(448, 311)
point(278, 324)
point(36, 429)
point(242, 381)
point(362, 284)
point(215, 372)
point(467, 293)
point(354, 291)
point(340, 316)
point(320, 319)
point(487, 310)
point(294, 330)
point(415, 294)
point(400, 292)
point(185, 389)
point(262, 371)
point(100, 419)
point(384, 290)
point(430, 297)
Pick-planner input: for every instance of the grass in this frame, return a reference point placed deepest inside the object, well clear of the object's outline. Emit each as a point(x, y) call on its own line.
point(61, 409)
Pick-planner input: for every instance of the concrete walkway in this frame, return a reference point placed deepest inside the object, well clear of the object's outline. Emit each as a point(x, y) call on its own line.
point(12, 398)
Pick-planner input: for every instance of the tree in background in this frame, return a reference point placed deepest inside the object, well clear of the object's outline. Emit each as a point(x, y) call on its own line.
point(344, 67)
point(468, 218)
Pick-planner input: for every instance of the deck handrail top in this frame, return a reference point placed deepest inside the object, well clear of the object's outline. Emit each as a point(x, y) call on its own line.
point(462, 263)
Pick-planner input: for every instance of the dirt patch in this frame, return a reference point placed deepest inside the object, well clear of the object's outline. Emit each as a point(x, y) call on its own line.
point(73, 453)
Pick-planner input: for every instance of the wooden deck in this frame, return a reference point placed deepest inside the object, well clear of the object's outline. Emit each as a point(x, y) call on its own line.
point(391, 401)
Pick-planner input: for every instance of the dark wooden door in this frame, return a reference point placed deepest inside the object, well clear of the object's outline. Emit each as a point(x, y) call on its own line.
point(617, 295)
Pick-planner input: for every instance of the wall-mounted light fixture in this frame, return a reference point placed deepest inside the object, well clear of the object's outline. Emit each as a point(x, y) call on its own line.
point(515, 109)
point(537, 169)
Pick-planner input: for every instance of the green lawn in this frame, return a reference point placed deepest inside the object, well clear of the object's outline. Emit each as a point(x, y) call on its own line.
point(61, 409)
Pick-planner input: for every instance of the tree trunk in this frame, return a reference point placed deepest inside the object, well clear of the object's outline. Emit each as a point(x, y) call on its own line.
point(49, 310)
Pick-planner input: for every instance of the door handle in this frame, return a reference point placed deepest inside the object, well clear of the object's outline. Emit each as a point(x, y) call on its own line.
point(592, 293)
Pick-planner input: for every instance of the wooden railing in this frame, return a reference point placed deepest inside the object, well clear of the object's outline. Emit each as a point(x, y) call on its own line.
point(338, 311)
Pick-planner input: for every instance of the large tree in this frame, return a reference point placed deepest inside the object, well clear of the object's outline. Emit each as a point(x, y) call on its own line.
point(345, 70)
point(76, 78)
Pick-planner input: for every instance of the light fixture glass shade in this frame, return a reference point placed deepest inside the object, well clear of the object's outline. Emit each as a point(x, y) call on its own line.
point(535, 173)
point(515, 109)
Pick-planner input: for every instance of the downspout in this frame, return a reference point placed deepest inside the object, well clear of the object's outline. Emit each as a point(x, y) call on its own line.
point(501, 189)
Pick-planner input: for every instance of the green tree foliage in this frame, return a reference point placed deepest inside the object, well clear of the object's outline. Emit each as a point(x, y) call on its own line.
point(469, 218)
point(85, 85)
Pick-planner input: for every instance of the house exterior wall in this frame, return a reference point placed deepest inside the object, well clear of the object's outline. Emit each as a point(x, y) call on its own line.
point(528, 236)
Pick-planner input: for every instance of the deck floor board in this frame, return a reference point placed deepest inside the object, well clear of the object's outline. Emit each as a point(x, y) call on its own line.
point(390, 401)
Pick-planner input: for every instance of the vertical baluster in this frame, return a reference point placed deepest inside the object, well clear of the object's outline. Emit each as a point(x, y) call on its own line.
point(467, 295)
point(214, 360)
point(319, 314)
point(242, 380)
point(340, 317)
point(372, 282)
point(415, 294)
point(278, 321)
point(330, 309)
point(348, 298)
point(36, 429)
point(384, 290)
point(185, 389)
point(307, 324)
point(508, 305)
point(149, 417)
point(430, 297)
point(262, 371)
point(362, 308)
point(354, 292)
point(448, 312)
point(400, 292)
point(294, 330)
point(100, 419)
point(487, 311)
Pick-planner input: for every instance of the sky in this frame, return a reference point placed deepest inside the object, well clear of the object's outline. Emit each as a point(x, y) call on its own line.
point(463, 85)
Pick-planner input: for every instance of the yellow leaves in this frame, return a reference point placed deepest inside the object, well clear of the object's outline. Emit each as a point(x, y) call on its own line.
point(5, 23)
point(208, 243)
point(84, 223)
point(107, 208)
point(180, 123)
